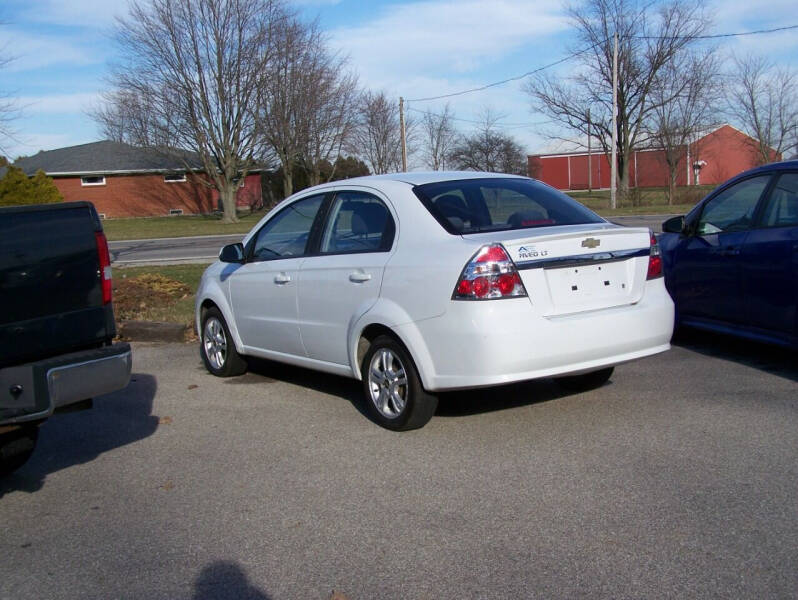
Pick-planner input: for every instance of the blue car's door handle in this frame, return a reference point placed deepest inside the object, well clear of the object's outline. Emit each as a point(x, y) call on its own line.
point(729, 251)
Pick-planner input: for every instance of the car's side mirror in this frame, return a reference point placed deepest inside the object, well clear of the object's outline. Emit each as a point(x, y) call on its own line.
point(674, 225)
point(232, 253)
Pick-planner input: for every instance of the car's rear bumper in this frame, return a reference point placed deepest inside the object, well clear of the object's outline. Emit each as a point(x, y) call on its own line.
point(35, 390)
point(478, 344)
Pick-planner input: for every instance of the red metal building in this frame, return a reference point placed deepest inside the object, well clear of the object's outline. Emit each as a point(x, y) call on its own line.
point(719, 155)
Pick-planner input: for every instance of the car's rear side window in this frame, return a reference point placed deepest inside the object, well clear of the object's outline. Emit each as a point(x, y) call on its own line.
point(476, 205)
point(782, 206)
point(358, 222)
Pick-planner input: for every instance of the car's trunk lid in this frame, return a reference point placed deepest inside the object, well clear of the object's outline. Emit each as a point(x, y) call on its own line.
point(578, 268)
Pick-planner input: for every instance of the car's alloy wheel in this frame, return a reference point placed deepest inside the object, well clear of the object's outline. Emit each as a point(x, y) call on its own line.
point(215, 343)
point(217, 347)
point(395, 397)
point(387, 383)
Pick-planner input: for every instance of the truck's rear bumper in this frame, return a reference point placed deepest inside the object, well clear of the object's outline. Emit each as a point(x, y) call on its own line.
point(34, 390)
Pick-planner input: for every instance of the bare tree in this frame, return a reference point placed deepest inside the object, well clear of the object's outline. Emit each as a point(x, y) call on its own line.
point(376, 139)
point(327, 101)
point(650, 35)
point(488, 149)
point(439, 136)
point(9, 111)
point(188, 80)
point(684, 96)
point(764, 100)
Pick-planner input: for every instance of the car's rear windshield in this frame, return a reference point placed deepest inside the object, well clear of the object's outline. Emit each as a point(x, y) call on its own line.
point(477, 205)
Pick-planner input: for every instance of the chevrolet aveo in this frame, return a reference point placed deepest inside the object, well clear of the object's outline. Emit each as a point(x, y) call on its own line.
point(415, 283)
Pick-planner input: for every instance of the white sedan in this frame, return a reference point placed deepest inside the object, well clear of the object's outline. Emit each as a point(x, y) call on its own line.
point(415, 283)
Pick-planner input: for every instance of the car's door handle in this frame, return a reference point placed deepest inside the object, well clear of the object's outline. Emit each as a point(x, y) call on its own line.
point(359, 277)
point(729, 251)
point(282, 278)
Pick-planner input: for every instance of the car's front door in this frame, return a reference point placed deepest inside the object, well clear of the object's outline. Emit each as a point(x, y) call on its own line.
point(342, 281)
point(263, 289)
point(706, 271)
point(769, 262)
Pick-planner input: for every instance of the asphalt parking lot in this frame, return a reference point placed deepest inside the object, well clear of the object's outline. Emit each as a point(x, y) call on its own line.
point(679, 478)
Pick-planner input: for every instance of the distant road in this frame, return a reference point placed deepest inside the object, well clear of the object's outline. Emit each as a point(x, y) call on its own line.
point(165, 251)
point(205, 249)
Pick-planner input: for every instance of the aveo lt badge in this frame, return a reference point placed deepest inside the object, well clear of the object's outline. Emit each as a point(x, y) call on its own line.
point(591, 243)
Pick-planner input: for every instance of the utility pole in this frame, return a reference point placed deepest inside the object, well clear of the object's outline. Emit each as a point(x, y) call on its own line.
point(402, 132)
point(614, 165)
point(589, 158)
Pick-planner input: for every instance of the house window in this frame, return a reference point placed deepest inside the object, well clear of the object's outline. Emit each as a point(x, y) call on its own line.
point(102, 215)
point(175, 178)
point(92, 180)
point(175, 211)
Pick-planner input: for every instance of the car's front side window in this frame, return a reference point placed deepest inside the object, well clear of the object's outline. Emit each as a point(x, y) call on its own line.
point(732, 209)
point(286, 234)
point(358, 222)
point(781, 209)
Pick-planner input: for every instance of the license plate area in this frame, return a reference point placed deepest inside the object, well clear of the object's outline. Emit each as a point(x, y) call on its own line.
point(588, 287)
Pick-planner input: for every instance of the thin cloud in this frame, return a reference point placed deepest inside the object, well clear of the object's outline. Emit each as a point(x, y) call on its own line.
point(425, 37)
point(58, 104)
point(34, 51)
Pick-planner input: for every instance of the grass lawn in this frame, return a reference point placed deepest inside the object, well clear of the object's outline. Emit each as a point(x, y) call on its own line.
point(652, 201)
point(143, 228)
point(156, 293)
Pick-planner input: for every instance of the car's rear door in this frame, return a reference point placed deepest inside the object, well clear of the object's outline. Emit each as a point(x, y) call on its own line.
point(341, 281)
point(263, 289)
point(769, 262)
point(706, 275)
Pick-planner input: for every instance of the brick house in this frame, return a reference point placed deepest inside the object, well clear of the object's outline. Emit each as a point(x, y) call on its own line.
point(719, 155)
point(128, 181)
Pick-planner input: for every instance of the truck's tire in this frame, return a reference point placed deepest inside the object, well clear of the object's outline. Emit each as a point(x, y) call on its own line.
point(586, 381)
point(16, 447)
point(217, 348)
point(394, 395)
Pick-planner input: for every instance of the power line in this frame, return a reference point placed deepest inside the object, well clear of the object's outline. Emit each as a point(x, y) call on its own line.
point(579, 52)
point(508, 80)
point(717, 35)
point(502, 125)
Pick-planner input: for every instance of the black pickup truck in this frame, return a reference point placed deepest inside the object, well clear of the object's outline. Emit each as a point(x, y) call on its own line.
point(56, 320)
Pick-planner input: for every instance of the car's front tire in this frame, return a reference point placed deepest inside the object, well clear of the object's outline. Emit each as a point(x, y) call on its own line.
point(217, 348)
point(586, 381)
point(394, 395)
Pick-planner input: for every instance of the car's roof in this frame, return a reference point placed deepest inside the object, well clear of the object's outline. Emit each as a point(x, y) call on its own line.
point(422, 177)
point(777, 166)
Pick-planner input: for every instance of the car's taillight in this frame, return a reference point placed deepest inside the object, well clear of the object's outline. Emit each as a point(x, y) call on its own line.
point(105, 265)
point(654, 260)
point(490, 274)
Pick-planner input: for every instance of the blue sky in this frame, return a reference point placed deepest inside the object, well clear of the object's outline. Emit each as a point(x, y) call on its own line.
point(413, 49)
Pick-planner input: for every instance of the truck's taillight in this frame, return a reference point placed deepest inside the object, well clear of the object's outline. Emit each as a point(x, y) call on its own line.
point(490, 274)
point(105, 265)
point(654, 260)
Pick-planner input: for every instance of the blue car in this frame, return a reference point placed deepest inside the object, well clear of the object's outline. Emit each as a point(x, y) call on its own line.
point(731, 264)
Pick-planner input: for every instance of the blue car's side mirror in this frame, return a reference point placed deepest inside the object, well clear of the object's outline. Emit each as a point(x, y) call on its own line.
point(673, 225)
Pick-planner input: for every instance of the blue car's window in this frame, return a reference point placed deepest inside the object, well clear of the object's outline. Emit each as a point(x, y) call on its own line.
point(732, 209)
point(781, 209)
point(286, 234)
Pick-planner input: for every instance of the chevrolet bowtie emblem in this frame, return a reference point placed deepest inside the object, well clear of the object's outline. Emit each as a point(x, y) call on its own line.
point(591, 243)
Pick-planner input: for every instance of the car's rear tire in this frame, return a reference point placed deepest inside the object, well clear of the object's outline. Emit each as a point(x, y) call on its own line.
point(586, 381)
point(394, 395)
point(16, 447)
point(217, 348)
